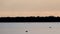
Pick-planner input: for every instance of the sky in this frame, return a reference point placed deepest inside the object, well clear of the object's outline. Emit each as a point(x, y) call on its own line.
point(29, 6)
point(32, 28)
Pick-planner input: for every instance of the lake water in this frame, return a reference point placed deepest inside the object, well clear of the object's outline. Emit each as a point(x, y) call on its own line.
point(31, 28)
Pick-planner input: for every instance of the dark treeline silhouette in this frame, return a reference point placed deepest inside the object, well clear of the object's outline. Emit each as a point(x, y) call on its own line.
point(30, 19)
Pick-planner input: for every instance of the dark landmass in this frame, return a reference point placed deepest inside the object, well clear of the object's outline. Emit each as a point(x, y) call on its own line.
point(30, 19)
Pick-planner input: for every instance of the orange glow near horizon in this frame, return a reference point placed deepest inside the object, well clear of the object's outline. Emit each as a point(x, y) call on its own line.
point(29, 7)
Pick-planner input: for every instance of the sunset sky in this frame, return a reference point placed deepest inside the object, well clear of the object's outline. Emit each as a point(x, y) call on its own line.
point(26, 7)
